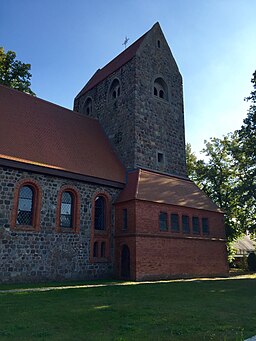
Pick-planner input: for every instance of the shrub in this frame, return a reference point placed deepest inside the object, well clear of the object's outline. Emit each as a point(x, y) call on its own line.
point(251, 260)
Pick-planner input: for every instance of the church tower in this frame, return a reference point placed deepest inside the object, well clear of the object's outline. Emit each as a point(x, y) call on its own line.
point(138, 100)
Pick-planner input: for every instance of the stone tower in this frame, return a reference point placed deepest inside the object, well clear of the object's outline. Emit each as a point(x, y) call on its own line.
point(138, 100)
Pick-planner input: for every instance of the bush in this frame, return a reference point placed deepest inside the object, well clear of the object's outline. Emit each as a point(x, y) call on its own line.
point(251, 261)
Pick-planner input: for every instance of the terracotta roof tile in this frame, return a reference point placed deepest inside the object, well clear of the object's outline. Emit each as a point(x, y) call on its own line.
point(156, 187)
point(35, 131)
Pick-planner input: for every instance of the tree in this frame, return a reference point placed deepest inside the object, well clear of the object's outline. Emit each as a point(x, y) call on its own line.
point(229, 175)
point(218, 178)
point(245, 153)
point(14, 73)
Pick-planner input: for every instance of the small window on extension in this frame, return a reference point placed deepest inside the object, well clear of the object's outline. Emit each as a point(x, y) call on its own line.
point(175, 227)
point(205, 226)
point(185, 224)
point(163, 221)
point(125, 220)
point(195, 225)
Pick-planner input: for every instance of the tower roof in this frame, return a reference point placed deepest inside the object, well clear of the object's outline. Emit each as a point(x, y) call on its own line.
point(36, 132)
point(114, 64)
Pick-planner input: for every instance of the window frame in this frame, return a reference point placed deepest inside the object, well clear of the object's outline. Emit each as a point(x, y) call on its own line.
point(75, 215)
point(104, 219)
point(205, 233)
point(124, 219)
point(114, 87)
point(163, 214)
point(185, 231)
point(198, 225)
point(160, 89)
point(36, 206)
point(101, 235)
point(171, 222)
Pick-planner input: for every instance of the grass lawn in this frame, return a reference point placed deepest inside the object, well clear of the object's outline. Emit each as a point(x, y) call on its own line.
point(176, 310)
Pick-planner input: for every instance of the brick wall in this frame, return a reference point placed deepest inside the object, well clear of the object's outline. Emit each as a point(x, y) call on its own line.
point(167, 254)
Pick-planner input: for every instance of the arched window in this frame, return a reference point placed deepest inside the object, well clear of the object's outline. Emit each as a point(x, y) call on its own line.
point(67, 208)
point(95, 249)
point(26, 206)
point(103, 249)
point(160, 89)
point(88, 106)
point(100, 213)
point(114, 90)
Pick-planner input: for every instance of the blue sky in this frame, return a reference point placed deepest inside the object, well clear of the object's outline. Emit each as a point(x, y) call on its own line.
point(213, 42)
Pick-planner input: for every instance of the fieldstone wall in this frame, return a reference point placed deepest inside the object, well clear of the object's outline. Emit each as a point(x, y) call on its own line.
point(139, 124)
point(159, 123)
point(47, 254)
point(116, 115)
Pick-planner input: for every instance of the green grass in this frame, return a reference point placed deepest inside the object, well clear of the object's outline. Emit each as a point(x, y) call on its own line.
point(176, 310)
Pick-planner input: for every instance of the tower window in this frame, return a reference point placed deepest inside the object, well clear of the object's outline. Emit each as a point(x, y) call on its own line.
point(160, 158)
point(158, 44)
point(88, 106)
point(114, 90)
point(160, 89)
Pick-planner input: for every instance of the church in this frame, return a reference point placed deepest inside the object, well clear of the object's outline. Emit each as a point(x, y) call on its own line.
point(102, 191)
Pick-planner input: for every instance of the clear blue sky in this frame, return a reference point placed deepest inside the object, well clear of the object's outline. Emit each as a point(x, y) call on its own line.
point(213, 42)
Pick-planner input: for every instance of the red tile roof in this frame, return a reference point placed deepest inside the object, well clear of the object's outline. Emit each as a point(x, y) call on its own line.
point(34, 131)
point(159, 188)
point(112, 66)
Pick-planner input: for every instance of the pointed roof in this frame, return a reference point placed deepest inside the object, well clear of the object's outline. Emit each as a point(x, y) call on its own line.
point(37, 132)
point(165, 189)
point(114, 65)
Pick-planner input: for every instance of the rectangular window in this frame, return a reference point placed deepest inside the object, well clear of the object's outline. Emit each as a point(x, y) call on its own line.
point(125, 221)
point(185, 224)
point(195, 225)
point(163, 221)
point(205, 226)
point(175, 222)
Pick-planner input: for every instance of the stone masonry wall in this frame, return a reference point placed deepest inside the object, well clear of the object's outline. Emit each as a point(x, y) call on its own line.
point(139, 124)
point(159, 123)
point(49, 255)
point(115, 115)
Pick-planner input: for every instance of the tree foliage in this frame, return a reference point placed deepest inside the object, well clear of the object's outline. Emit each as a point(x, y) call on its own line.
point(228, 176)
point(14, 73)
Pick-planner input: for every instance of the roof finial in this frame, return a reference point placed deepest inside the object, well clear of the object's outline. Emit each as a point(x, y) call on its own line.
point(125, 41)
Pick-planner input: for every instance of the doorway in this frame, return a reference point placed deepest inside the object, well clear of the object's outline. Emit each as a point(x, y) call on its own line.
point(125, 262)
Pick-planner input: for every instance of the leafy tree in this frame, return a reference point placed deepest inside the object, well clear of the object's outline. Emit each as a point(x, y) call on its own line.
point(14, 73)
point(228, 176)
point(245, 153)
